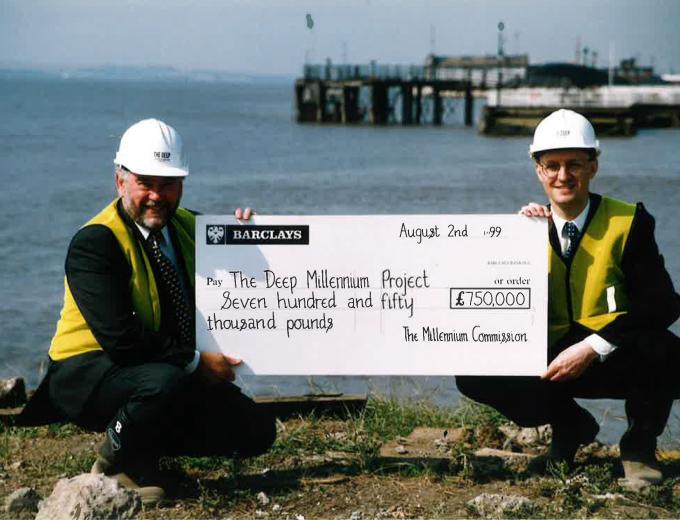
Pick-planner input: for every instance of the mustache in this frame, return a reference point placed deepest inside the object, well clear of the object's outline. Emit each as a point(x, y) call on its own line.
point(156, 205)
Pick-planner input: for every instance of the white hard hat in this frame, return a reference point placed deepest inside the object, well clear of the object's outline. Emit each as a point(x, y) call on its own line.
point(564, 129)
point(151, 147)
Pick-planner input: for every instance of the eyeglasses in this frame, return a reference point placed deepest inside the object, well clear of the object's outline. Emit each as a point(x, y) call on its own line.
point(552, 168)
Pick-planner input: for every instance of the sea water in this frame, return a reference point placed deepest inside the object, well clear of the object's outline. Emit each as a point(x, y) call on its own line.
point(58, 138)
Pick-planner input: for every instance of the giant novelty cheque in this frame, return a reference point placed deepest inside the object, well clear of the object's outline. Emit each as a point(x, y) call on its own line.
point(374, 295)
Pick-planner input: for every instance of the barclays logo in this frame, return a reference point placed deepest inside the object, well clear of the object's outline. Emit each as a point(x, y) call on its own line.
point(217, 234)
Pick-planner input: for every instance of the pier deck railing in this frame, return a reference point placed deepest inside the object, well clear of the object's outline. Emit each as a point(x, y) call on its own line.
point(480, 79)
point(368, 72)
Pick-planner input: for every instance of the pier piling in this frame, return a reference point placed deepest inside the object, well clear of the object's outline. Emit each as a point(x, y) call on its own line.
point(469, 107)
point(379, 103)
point(321, 115)
point(350, 105)
point(407, 104)
point(419, 104)
point(437, 107)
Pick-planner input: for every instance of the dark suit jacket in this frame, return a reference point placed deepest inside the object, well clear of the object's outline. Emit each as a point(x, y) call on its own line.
point(98, 276)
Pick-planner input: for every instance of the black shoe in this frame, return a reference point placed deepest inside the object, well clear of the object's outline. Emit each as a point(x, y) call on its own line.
point(566, 441)
point(142, 479)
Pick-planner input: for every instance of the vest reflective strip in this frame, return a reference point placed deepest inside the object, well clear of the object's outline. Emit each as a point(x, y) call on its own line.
point(73, 336)
point(596, 283)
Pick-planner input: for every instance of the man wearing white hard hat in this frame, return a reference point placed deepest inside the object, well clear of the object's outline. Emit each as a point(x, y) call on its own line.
point(611, 302)
point(123, 358)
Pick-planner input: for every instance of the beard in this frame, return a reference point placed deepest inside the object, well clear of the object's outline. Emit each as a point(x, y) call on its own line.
point(151, 215)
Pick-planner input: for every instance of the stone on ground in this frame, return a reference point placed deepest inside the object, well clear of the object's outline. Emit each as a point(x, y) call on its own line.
point(12, 392)
point(90, 497)
point(488, 458)
point(518, 437)
point(490, 505)
point(425, 445)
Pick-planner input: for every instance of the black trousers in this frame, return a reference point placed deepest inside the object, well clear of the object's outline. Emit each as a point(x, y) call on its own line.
point(156, 409)
point(643, 372)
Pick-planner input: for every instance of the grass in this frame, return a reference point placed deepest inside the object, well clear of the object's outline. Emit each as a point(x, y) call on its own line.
point(382, 419)
point(54, 431)
point(4, 446)
point(70, 465)
point(310, 450)
point(387, 419)
point(214, 499)
point(199, 464)
point(664, 496)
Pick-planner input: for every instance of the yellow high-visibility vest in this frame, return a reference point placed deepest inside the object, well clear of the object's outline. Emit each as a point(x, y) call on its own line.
point(591, 291)
point(73, 335)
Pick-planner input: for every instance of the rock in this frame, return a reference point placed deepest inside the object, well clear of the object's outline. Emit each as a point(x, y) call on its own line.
point(299, 517)
point(439, 436)
point(428, 446)
point(89, 497)
point(22, 503)
point(490, 505)
point(262, 498)
point(491, 452)
point(514, 461)
point(341, 457)
point(597, 449)
point(356, 515)
point(276, 508)
point(12, 392)
point(614, 498)
point(16, 465)
point(321, 481)
point(392, 512)
point(260, 514)
point(526, 437)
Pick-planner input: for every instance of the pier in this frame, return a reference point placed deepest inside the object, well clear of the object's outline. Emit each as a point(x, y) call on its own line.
point(384, 94)
point(614, 110)
point(522, 120)
point(443, 92)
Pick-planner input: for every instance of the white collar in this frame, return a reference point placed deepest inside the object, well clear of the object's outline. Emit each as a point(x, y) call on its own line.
point(145, 231)
point(580, 220)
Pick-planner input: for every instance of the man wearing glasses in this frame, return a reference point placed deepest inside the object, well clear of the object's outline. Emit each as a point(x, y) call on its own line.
point(611, 302)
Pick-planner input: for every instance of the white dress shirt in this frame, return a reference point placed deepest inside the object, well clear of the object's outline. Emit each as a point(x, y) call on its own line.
point(598, 344)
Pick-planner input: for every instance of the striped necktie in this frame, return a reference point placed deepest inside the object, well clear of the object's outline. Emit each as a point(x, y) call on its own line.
point(173, 288)
point(571, 231)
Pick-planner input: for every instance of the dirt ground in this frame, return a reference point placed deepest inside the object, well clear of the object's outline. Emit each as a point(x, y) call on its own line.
point(328, 468)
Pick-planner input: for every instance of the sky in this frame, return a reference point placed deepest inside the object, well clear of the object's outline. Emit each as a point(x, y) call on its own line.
point(273, 37)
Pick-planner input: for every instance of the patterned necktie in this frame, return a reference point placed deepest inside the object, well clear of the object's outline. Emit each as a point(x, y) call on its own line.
point(572, 233)
point(173, 288)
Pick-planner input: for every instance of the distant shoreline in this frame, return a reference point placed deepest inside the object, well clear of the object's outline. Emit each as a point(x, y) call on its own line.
point(143, 74)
